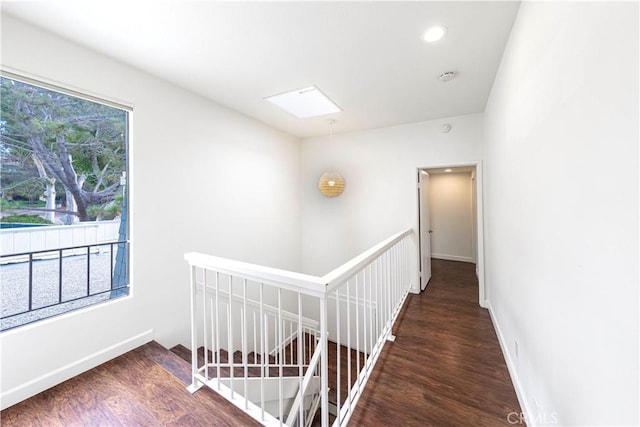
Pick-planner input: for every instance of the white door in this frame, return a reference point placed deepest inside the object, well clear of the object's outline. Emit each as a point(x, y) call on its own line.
point(425, 231)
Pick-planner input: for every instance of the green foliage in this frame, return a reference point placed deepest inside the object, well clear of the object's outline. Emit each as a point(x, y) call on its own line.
point(30, 189)
point(9, 205)
point(25, 219)
point(107, 211)
point(72, 138)
point(112, 210)
point(95, 211)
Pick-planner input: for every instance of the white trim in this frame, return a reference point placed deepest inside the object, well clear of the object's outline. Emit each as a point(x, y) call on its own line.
point(482, 286)
point(43, 82)
point(454, 258)
point(46, 381)
point(525, 407)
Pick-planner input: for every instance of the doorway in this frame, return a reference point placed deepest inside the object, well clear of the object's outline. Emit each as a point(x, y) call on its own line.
point(450, 219)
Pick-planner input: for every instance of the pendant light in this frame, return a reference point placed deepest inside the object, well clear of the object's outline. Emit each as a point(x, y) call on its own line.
point(331, 184)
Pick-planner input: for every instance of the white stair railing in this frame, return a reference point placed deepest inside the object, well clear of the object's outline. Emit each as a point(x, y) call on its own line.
point(265, 338)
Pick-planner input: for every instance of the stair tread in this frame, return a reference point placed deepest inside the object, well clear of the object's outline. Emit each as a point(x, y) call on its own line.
point(169, 361)
point(181, 351)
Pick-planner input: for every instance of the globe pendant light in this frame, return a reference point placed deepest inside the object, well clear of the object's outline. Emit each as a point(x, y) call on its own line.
point(331, 184)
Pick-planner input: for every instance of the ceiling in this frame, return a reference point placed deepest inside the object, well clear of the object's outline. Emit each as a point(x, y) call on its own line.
point(368, 57)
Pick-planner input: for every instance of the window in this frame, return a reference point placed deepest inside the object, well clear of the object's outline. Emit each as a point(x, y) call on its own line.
point(63, 201)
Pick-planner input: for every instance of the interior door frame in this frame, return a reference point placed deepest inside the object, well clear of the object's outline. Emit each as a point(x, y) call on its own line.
point(421, 270)
point(482, 294)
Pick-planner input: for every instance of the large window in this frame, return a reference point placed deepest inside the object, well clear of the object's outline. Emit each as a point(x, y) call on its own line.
point(63, 199)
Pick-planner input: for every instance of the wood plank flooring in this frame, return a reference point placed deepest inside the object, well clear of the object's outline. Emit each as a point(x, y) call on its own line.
point(446, 367)
point(145, 387)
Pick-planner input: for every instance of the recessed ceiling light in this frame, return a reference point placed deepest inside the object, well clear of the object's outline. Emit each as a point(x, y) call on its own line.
point(447, 170)
point(435, 33)
point(305, 103)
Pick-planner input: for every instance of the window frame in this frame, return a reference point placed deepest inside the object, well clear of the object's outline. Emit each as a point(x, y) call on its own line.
point(127, 108)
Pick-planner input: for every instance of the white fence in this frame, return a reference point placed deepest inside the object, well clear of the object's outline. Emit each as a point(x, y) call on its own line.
point(32, 239)
point(282, 345)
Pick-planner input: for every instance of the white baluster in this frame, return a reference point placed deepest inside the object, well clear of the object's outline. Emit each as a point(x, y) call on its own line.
point(230, 341)
point(338, 351)
point(204, 324)
point(348, 399)
point(263, 350)
point(194, 341)
point(365, 350)
point(217, 283)
point(301, 359)
point(324, 370)
point(211, 326)
point(279, 346)
point(357, 328)
point(243, 314)
point(290, 337)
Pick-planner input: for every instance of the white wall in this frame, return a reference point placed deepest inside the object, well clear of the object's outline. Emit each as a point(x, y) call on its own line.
point(203, 178)
point(561, 135)
point(380, 197)
point(450, 204)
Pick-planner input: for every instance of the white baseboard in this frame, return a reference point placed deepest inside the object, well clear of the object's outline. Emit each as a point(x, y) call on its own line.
point(525, 407)
point(46, 381)
point(453, 258)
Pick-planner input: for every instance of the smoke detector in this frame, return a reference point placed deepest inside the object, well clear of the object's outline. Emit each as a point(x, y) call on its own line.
point(446, 76)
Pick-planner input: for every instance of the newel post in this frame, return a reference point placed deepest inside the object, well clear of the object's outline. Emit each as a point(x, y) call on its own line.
point(194, 345)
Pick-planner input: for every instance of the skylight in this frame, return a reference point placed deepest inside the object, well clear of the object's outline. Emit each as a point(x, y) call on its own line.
point(305, 103)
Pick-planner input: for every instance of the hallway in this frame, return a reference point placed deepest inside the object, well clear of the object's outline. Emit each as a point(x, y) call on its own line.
point(446, 366)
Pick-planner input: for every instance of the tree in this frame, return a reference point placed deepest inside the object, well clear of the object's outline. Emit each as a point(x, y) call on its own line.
point(50, 188)
point(77, 143)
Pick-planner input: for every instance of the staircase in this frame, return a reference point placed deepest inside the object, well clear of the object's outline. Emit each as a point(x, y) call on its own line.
point(183, 371)
point(272, 385)
point(293, 349)
point(177, 361)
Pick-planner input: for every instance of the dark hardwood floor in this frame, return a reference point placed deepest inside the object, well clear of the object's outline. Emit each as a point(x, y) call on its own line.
point(445, 367)
point(145, 387)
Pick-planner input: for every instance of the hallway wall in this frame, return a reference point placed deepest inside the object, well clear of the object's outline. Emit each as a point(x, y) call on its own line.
point(561, 138)
point(450, 202)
